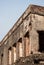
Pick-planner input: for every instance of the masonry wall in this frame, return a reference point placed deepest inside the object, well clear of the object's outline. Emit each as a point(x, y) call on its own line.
point(32, 23)
point(37, 25)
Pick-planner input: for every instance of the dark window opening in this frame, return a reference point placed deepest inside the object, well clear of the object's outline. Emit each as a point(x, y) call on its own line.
point(41, 41)
point(10, 48)
point(27, 35)
point(20, 40)
point(14, 45)
point(2, 55)
point(30, 24)
point(36, 61)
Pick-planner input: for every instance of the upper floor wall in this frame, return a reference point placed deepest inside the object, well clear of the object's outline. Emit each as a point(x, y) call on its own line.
point(32, 19)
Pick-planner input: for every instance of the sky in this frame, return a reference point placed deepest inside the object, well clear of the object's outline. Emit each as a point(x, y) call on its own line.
point(11, 10)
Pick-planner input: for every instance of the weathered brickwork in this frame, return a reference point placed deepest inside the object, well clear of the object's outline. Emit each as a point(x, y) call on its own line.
point(24, 43)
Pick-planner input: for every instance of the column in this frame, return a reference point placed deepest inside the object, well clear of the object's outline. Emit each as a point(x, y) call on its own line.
point(26, 44)
point(14, 53)
point(17, 50)
point(5, 56)
point(20, 49)
point(23, 46)
point(34, 41)
point(10, 56)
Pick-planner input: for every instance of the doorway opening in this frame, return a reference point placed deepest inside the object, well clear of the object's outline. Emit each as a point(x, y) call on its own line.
point(41, 41)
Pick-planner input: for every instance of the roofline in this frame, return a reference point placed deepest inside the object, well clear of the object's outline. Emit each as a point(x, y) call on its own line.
point(34, 9)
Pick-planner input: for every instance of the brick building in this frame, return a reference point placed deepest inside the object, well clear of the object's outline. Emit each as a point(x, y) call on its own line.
point(24, 43)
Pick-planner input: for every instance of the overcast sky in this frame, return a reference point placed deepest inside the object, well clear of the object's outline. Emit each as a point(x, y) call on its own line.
point(11, 10)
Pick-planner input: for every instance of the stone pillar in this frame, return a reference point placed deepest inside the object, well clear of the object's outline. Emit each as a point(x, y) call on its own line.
point(24, 46)
point(20, 49)
point(29, 43)
point(17, 50)
point(13, 54)
point(5, 56)
point(27, 46)
point(34, 41)
point(12, 58)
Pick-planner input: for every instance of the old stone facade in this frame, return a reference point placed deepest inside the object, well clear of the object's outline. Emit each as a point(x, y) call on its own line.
point(25, 41)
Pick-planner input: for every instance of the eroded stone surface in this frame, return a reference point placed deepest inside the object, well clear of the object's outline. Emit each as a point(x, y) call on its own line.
point(29, 28)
